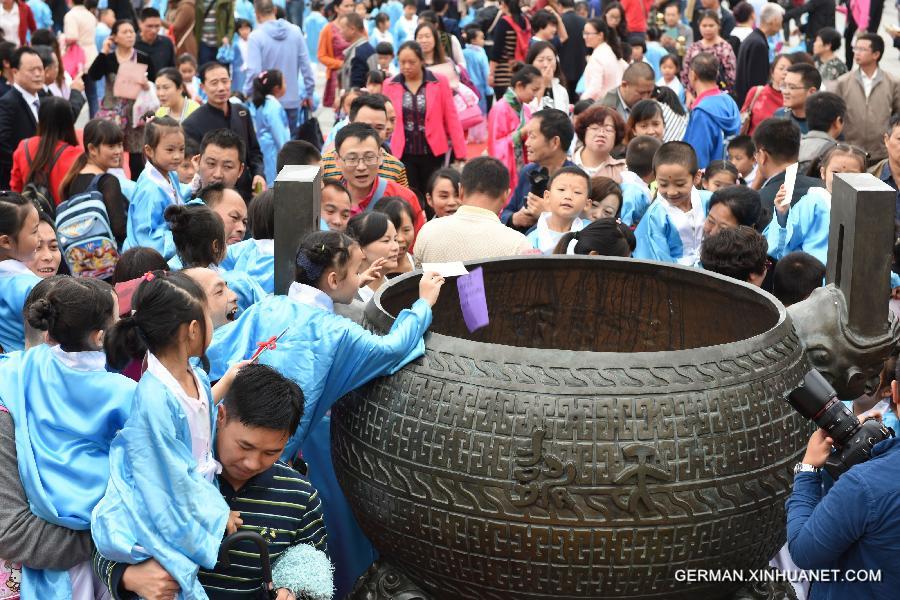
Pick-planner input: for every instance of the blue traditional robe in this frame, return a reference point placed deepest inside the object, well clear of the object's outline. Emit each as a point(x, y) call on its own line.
point(146, 221)
point(16, 281)
point(271, 124)
point(66, 409)
point(327, 356)
point(636, 198)
point(806, 227)
point(158, 504)
point(256, 258)
point(658, 237)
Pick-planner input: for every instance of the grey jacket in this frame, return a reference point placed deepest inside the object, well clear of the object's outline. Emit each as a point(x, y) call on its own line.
point(813, 144)
point(25, 538)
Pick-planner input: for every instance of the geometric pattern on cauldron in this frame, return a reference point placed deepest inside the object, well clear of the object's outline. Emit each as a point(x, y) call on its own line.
point(472, 505)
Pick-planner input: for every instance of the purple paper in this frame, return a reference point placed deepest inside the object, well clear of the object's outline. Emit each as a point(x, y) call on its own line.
point(472, 300)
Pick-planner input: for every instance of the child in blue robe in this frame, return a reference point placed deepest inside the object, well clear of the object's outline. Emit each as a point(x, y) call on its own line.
point(805, 225)
point(269, 119)
point(327, 356)
point(157, 187)
point(672, 228)
point(18, 240)
point(256, 256)
point(66, 408)
point(199, 237)
point(567, 196)
point(160, 501)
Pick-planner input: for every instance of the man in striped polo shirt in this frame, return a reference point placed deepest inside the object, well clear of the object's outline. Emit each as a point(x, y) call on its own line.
point(258, 416)
point(370, 109)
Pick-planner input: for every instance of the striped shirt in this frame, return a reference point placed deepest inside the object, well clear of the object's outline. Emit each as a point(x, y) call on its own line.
point(280, 505)
point(391, 168)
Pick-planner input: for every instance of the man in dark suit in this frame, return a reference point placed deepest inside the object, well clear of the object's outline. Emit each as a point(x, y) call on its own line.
point(572, 52)
point(638, 83)
point(19, 107)
point(753, 55)
point(777, 147)
point(219, 113)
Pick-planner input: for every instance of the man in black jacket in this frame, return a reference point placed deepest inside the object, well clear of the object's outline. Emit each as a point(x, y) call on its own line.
point(572, 52)
point(19, 107)
point(777, 147)
point(821, 14)
point(753, 56)
point(219, 113)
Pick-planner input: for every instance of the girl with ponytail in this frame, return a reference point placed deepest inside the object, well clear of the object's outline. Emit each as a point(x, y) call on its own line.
point(603, 237)
point(199, 236)
point(327, 356)
point(19, 239)
point(162, 457)
point(62, 409)
point(269, 118)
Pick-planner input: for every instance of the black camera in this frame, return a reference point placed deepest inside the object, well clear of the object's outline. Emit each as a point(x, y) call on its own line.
point(540, 179)
point(816, 400)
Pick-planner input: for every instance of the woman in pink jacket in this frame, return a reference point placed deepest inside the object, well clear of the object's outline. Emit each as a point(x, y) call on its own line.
point(429, 125)
point(508, 117)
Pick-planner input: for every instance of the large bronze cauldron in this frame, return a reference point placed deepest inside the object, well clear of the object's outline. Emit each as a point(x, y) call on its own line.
point(616, 422)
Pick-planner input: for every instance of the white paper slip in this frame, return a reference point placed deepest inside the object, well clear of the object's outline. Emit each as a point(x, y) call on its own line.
point(447, 269)
point(790, 180)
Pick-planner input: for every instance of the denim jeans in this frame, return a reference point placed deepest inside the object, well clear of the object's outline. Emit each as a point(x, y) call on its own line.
point(292, 114)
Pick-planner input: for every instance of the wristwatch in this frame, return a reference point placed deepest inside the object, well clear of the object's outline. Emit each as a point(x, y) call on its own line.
point(805, 468)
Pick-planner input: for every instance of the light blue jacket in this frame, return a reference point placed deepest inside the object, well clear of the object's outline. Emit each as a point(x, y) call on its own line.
point(157, 504)
point(65, 419)
point(15, 285)
point(281, 45)
point(271, 124)
point(256, 258)
point(657, 236)
point(146, 221)
point(806, 227)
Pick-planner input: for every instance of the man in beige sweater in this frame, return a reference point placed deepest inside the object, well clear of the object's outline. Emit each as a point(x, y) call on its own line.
point(475, 231)
point(872, 96)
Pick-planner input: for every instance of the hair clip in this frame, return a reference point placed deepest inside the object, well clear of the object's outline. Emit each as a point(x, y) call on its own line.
point(148, 276)
point(322, 250)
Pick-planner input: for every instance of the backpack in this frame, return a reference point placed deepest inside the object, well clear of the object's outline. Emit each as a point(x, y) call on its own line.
point(85, 236)
point(39, 194)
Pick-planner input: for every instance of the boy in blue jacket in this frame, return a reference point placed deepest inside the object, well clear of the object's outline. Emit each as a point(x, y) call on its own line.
point(478, 65)
point(714, 116)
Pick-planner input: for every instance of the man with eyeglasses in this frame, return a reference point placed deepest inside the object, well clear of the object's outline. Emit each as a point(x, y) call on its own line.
point(358, 153)
point(872, 96)
point(800, 82)
point(370, 109)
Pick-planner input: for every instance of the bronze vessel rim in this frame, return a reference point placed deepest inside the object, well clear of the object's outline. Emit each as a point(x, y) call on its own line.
point(378, 315)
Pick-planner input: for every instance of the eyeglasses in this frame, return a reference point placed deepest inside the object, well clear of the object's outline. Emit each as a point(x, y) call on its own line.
point(861, 49)
point(791, 88)
point(352, 160)
point(604, 128)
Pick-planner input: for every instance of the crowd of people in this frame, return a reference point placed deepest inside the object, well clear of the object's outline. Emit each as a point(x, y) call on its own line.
point(155, 392)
